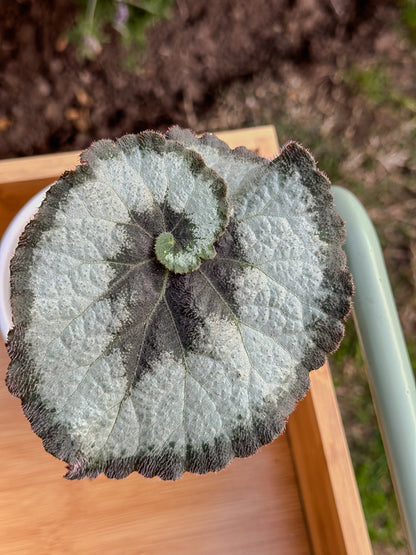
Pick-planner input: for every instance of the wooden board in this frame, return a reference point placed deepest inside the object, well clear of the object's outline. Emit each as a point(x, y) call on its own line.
point(250, 507)
point(329, 492)
point(296, 496)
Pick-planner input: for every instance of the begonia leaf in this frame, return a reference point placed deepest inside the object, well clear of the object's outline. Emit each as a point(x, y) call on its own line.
point(163, 324)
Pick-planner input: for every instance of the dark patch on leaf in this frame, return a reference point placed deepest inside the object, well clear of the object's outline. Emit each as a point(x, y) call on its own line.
point(314, 358)
point(158, 339)
point(228, 246)
point(180, 226)
point(138, 247)
point(151, 141)
point(150, 220)
point(269, 423)
point(181, 294)
point(224, 269)
point(209, 457)
point(244, 442)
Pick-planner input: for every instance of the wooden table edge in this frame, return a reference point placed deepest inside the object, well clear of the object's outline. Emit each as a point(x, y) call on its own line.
point(47, 167)
point(324, 470)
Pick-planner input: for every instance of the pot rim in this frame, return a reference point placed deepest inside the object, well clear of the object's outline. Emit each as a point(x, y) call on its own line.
point(8, 245)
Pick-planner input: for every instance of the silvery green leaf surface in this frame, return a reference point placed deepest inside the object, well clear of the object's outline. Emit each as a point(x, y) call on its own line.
point(162, 325)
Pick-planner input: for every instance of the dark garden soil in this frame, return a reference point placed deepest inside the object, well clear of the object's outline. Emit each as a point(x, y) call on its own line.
point(51, 100)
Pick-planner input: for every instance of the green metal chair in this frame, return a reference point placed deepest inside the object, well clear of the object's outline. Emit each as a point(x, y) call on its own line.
point(390, 374)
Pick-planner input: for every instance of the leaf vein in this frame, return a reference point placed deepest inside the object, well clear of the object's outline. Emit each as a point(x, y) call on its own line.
point(134, 222)
point(142, 181)
point(131, 381)
point(92, 303)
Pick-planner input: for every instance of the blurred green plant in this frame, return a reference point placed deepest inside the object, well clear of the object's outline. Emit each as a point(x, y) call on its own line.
point(371, 81)
point(374, 83)
point(366, 446)
point(129, 18)
point(411, 347)
point(377, 495)
point(408, 17)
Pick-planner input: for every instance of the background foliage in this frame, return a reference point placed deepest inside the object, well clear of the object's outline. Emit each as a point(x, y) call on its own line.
point(97, 19)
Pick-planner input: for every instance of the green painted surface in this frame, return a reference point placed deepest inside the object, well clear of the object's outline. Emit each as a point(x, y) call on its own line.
point(387, 361)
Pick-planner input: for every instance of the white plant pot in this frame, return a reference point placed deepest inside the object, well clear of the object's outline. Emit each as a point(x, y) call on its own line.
point(7, 247)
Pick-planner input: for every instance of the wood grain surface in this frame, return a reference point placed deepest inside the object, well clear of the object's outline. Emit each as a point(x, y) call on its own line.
point(251, 507)
point(329, 492)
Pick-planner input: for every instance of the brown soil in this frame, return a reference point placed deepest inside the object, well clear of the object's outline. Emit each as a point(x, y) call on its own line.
point(51, 100)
